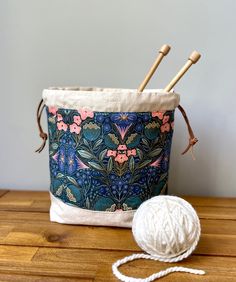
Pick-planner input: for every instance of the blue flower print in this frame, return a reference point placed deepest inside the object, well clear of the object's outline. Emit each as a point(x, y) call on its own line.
point(123, 119)
point(72, 162)
point(114, 162)
point(91, 131)
point(62, 158)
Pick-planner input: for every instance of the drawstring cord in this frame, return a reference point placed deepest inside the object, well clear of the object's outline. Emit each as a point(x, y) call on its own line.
point(192, 139)
point(42, 134)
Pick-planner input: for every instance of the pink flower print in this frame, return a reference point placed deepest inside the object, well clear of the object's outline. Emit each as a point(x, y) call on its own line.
point(111, 153)
point(165, 127)
point(85, 113)
point(172, 125)
point(62, 126)
point(75, 128)
point(121, 158)
point(52, 110)
point(122, 147)
point(157, 163)
point(81, 165)
point(59, 117)
point(158, 114)
point(166, 119)
point(122, 154)
point(77, 120)
point(131, 152)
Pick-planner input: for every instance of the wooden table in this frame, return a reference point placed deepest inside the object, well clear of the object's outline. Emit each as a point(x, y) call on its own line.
point(34, 249)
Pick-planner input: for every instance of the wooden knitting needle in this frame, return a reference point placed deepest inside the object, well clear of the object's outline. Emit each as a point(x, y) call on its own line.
point(193, 58)
point(162, 52)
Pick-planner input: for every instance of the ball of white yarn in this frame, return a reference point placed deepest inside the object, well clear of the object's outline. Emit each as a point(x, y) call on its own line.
point(166, 227)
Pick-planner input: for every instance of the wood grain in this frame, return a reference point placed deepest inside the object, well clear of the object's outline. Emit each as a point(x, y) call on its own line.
point(36, 278)
point(216, 212)
point(39, 201)
point(211, 201)
point(210, 244)
point(20, 260)
point(25, 201)
point(83, 270)
point(17, 253)
point(25, 231)
point(34, 249)
point(60, 262)
point(4, 230)
point(3, 192)
point(141, 270)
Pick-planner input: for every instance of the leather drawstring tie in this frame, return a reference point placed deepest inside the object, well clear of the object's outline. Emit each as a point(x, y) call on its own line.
point(42, 134)
point(192, 139)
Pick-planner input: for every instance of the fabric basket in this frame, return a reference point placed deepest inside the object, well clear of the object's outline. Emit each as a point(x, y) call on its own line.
point(109, 151)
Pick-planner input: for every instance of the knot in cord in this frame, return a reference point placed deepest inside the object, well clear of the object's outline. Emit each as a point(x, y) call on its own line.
point(43, 135)
point(192, 139)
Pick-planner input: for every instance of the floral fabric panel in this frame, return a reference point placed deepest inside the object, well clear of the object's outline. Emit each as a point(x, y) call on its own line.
point(108, 161)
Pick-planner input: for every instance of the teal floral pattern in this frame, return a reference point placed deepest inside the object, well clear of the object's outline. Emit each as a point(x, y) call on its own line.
point(108, 161)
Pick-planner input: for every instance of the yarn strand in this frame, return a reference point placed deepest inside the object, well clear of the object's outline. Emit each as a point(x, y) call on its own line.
point(152, 277)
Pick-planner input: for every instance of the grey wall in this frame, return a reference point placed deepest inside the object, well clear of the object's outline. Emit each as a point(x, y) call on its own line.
point(113, 43)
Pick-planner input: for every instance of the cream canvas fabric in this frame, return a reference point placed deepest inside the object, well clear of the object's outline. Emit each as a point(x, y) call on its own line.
point(110, 100)
point(63, 213)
